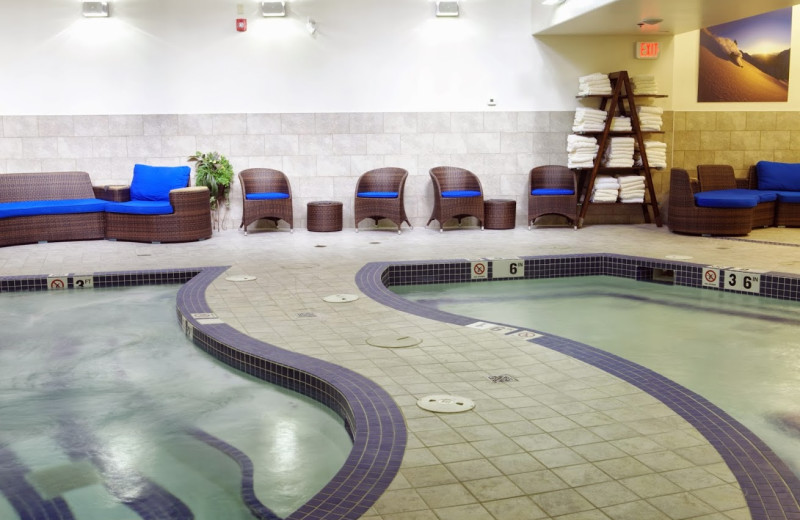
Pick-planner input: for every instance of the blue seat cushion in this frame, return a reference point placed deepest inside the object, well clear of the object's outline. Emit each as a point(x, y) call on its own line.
point(778, 176)
point(452, 194)
point(378, 194)
point(50, 207)
point(551, 191)
point(155, 182)
point(791, 197)
point(736, 198)
point(271, 195)
point(140, 207)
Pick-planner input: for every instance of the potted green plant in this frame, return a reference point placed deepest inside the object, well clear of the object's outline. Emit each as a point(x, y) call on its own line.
point(215, 172)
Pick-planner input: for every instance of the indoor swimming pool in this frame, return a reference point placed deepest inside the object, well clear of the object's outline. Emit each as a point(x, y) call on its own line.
point(110, 412)
point(740, 352)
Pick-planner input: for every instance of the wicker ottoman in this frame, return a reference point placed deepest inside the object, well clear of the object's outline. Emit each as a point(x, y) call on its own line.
point(500, 213)
point(324, 215)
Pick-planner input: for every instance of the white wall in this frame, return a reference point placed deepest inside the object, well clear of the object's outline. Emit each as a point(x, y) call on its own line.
point(184, 56)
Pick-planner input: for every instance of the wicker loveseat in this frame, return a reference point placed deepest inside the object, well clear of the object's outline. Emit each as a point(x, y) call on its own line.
point(49, 207)
point(59, 206)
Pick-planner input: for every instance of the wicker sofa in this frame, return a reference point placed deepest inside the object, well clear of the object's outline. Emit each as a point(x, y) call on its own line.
point(60, 206)
point(49, 207)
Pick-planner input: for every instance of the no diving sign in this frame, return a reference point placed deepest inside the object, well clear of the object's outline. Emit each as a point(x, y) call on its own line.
point(479, 270)
point(711, 277)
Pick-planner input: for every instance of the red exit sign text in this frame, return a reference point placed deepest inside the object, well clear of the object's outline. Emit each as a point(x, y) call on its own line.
point(647, 50)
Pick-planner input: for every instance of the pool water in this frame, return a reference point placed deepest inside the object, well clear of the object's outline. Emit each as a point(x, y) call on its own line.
point(108, 407)
point(740, 352)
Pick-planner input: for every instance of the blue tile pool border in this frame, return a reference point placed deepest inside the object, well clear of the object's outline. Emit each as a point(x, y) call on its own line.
point(372, 418)
point(771, 489)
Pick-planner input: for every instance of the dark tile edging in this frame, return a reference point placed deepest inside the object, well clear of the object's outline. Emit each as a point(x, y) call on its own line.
point(374, 421)
point(370, 415)
point(771, 489)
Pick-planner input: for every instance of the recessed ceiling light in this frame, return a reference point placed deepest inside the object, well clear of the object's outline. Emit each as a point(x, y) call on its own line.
point(650, 21)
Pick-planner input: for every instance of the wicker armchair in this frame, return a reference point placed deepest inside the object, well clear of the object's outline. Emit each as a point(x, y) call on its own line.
point(686, 217)
point(379, 195)
point(721, 177)
point(266, 193)
point(457, 193)
point(553, 191)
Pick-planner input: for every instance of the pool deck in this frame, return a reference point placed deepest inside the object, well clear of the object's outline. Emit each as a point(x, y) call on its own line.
point(566, 440)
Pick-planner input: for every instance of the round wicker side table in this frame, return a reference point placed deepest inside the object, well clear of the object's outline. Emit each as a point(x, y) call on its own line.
point(324, 215)
point(500, 213)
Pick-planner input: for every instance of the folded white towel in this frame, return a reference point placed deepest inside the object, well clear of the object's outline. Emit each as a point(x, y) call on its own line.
point(650, 109)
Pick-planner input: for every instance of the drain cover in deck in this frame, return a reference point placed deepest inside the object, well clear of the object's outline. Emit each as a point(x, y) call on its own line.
point(341, 298)
point(445, 403)
point(240, 278)
point(393, 341)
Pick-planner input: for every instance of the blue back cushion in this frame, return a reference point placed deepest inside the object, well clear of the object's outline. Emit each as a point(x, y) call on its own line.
point(267, 195)
point(155, 182)
point(460, 193)
point(551, 191)
point(778, 176)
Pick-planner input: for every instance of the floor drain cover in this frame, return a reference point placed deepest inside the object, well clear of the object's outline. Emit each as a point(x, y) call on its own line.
point(306, 315)
point(299, 266)
point(446, 403)
point(240, 278)
point(502, 378)
point(341, 298)
point(393, 341)
point(678, 257)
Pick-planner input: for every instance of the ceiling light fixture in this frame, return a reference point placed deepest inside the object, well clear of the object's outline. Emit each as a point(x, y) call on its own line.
point(650, 21)
point(273, 8)
point(95, 9)
point(446, 8)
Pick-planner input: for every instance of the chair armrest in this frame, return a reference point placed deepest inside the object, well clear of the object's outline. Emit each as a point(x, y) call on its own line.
point(113, 193)
point(190, 198)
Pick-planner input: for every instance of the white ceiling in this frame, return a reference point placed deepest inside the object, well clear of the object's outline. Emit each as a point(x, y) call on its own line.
point(622, 16)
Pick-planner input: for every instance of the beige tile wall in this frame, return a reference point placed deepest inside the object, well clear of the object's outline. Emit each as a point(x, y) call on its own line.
point(324, 153)
point(740, 139)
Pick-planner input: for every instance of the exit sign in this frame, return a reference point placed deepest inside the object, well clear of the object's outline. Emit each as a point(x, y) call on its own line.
point(647, 50)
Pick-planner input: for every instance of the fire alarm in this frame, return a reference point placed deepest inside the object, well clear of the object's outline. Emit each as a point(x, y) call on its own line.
point(241, 24)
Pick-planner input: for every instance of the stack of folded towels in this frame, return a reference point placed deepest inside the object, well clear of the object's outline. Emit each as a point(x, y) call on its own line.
point(631, 188)
point(621, 124)
point(650, 118)
point(644, 84)
point(589, 120)
point(596, 83)
point(619, 153)
point(656, 154)
point(606, 189)
point(581, 151)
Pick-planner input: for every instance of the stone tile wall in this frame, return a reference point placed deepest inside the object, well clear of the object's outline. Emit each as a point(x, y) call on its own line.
point(324, 153)
point(740, 139)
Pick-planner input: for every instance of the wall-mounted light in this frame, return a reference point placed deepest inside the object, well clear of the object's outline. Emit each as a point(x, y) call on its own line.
point(446, 8)
point(273, 8)
point(553, 2)
point(311, 26)
point(95, 9)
